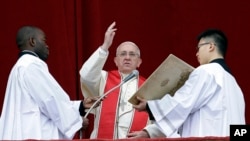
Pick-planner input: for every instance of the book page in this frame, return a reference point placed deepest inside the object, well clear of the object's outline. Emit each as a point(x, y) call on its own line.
point(166, 79)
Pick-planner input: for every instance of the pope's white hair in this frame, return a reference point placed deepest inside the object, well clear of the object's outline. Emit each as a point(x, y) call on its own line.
point(131, 43)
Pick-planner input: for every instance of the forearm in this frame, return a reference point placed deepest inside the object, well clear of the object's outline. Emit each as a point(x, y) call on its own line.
point(91, 69)
point(91, 74)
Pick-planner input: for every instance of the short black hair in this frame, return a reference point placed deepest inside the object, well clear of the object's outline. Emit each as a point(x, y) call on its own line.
point(219, 38)
point(24, 33)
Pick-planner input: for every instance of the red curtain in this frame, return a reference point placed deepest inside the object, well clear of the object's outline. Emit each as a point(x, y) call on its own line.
point(75, 28)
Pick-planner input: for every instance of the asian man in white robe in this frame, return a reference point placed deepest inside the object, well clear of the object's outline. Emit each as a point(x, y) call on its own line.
point(209, 101)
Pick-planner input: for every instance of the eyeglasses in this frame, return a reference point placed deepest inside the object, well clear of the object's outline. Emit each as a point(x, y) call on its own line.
point(200, 45)
point(130, 54)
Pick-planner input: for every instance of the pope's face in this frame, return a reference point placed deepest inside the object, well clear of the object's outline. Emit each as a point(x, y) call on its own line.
point(127, 58)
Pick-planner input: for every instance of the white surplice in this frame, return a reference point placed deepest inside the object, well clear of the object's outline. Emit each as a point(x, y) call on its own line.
point(35, 106)
point(208, 103)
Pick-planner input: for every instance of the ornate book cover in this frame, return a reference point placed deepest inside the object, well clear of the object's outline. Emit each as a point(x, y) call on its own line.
point(166, 79)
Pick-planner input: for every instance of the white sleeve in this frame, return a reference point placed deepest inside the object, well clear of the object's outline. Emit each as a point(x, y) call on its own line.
point(154, 131)
point(91, 73)
point(53, 101)
point(170, 112)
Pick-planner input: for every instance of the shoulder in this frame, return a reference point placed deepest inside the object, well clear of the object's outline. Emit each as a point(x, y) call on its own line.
point(202, 72)
point(113, 72)
point(209, 68)
point(30, 61)
point(142, 78)
point(211, 71)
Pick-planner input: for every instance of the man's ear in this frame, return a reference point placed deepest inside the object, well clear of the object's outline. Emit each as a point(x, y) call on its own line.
point(212, 47)
point(32, 41)
point(115, 60)
point(139, 62)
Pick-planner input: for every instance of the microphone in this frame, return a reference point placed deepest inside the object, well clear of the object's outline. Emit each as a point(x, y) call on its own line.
point(126, 79)
point(131, 75)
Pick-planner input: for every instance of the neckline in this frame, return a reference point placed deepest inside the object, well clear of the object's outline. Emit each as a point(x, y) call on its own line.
point(27, 52)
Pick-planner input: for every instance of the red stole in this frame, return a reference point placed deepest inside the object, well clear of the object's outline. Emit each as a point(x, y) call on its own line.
point(107, 122)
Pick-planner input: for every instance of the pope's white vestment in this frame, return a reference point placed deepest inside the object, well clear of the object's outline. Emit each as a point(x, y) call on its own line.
point(93, 80)
point(206, 105)
point(35, 106)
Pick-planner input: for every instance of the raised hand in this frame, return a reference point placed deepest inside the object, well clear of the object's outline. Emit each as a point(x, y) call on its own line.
point(109, 36)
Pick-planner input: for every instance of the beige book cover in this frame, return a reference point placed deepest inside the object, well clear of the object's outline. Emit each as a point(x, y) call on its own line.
point(166, 79)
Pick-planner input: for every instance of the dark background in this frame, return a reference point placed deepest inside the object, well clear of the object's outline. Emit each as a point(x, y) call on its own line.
point(75, 28)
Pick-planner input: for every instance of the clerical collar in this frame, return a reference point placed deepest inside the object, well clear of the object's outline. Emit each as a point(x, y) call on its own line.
point(27, 52)
point(222, 62)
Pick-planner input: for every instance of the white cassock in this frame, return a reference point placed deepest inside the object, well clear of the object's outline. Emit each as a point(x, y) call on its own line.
point(206, 105)
point(35, 106)
point(93, 79)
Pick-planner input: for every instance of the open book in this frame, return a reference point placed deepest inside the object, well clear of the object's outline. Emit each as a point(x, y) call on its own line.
point(166, 79)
